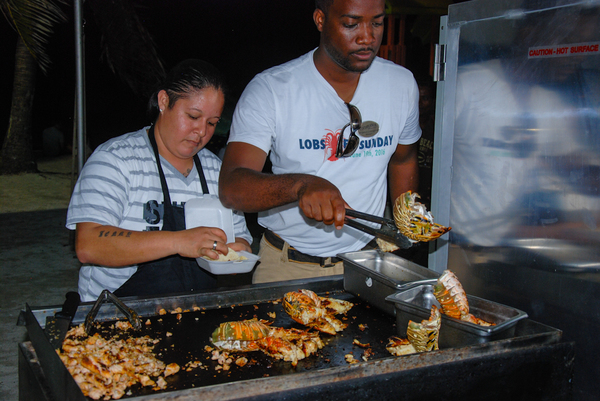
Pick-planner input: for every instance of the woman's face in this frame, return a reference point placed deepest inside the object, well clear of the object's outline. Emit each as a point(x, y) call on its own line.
point(189, 124)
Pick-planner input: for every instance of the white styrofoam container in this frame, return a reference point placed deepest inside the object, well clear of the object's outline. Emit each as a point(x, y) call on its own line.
point(208, 211)
point(233, 267)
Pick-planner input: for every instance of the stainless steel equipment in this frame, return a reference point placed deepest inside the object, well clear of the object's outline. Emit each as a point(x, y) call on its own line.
point(415, 304)
point(533, 362)
point(517, 161)
point(373, 275)
point(387, 230)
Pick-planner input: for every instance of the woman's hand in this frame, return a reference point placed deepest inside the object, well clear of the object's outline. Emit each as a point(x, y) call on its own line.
point(240, 244)
point(200, 241)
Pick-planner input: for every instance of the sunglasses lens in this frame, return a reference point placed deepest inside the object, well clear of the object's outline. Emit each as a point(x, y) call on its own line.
point(340, 144)
point(355, 124)
point(355, 117)
point(352, 145)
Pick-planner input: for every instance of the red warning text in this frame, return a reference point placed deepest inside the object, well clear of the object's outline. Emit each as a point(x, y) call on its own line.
point(578, 49)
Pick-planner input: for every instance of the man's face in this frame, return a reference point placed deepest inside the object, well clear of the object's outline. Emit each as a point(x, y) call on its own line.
point(351, 32)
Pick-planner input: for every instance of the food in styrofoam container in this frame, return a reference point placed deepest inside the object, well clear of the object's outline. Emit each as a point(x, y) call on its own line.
point(230, 257)
point(243, 265)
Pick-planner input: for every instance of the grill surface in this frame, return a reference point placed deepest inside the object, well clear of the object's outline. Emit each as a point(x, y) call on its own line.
point(190, 332)
point(382, 377)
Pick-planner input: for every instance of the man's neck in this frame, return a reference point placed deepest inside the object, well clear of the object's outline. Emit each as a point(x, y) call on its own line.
point(344, 82)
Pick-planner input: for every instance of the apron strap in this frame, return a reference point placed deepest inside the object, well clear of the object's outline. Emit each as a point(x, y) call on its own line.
point(201, 174)
point(163, 181)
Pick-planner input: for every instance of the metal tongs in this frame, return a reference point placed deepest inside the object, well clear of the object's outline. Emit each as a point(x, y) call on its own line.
point(131, 315)
point(388, 230)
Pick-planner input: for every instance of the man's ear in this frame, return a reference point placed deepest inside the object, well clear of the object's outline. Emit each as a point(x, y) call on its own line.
point(319, 18)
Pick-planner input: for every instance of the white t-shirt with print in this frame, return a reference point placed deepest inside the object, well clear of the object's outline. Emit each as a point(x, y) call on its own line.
point(120, 186)
point(293, 112)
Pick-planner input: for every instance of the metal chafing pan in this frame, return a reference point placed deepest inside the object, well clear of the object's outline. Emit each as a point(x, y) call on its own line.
point(373, 275)
point(415, 304)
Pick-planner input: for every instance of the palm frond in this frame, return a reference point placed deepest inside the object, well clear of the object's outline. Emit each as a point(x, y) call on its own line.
point(128, 47)
point(34, 21)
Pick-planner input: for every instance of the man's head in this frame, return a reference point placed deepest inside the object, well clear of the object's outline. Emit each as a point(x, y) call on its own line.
point(351, 31)
point(323, 5)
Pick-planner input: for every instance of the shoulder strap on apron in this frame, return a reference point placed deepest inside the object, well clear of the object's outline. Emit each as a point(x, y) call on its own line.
point(201, 174)
point(163, 181)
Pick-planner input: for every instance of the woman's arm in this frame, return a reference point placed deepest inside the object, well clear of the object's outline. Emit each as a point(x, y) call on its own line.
point(117, 247)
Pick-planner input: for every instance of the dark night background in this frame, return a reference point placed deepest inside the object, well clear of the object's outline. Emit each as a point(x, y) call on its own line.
point(241, 37)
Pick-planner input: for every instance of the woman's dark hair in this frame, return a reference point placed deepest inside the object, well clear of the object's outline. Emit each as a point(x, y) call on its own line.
point(186, 77)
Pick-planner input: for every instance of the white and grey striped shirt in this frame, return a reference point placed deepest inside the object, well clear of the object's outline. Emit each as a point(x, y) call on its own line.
point(120, 186)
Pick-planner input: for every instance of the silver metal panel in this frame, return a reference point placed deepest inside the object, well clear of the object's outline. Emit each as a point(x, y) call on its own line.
point(442, 149)
point(373, 275)
point(520, 153)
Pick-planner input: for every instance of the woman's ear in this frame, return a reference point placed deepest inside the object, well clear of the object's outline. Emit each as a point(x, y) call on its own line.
point(163, 100)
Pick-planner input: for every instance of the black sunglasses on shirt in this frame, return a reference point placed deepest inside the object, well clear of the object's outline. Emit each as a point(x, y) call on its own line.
point(354, 124)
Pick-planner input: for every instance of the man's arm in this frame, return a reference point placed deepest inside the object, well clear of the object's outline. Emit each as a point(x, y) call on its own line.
point(117, 247)
point(243, 186)
point(403, 171)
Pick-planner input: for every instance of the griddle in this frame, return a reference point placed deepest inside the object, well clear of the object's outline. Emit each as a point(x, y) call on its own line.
point(190, 331)
point(326, 374)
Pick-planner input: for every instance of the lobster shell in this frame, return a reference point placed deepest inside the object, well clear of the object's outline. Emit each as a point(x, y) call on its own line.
point(414, 221)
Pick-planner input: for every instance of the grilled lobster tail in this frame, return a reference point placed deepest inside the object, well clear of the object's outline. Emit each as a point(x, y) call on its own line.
point(307, 308)
point(254, 335)
point(424, 336)
point(452, 297)
point(421, 336)
point(414, 221)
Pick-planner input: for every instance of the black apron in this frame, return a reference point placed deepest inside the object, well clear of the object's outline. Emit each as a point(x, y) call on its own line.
point(173, 274)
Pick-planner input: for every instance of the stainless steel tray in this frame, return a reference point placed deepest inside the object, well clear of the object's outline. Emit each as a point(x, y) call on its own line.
point(373, 275)
point(415, 304)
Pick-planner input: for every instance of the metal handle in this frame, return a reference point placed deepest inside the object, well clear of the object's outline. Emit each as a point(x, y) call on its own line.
point(407, 286)
point(70, 306)
point(131, 315)
point(388, 231)
point(368, 217)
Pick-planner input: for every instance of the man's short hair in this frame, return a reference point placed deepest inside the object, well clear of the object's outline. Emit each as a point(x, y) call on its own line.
point(323, 5)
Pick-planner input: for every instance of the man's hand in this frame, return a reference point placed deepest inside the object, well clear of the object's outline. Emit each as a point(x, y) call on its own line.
point(320, 200)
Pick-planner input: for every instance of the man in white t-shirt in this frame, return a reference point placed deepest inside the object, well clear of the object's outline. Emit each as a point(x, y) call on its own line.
point(297, 112)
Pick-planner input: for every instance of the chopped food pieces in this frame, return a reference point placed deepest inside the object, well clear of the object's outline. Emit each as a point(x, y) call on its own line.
point(171, 369)
point(241, 361)
point(400, 346)
point(105, 368)
point(223, 360)
point(230, 257)
point(367, 354)
point(358, 343)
